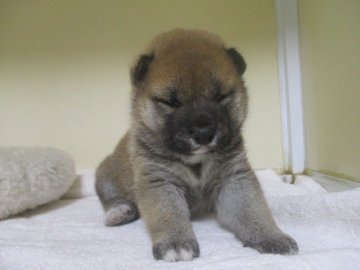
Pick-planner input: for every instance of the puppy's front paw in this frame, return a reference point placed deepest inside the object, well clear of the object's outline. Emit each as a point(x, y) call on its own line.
point(282, 244)
point(180, 250)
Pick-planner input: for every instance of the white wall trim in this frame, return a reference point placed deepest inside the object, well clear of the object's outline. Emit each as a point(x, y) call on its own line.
point(291, 99)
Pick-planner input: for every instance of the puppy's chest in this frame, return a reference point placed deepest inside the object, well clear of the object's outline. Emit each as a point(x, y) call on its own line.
point(199, 176)
point(201, 181)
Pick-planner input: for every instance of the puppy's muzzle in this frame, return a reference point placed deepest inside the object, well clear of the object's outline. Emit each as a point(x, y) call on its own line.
point(203, 130)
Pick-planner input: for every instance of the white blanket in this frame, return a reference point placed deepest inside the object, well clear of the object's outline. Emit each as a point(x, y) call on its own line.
point(70, 234)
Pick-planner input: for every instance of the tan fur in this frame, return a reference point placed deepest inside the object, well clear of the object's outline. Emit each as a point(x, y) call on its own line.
point(169, 185)
point(202, 54)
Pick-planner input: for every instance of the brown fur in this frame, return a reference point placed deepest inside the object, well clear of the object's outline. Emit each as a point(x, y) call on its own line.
point(188, 95)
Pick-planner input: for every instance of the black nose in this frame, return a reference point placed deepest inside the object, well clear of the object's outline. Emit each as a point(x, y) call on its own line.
point(204, 129)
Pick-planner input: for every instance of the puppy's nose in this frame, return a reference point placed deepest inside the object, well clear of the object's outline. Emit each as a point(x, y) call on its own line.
point(204, 136)
point(204, 130)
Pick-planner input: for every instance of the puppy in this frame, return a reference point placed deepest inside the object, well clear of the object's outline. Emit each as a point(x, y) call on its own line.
point(184, 153)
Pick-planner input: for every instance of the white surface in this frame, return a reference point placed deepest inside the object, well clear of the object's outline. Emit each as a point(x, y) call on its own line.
point(70, 234)
point(332, 183)
point(291, 97)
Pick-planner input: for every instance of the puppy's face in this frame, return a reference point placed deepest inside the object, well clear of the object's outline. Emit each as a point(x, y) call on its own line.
point(191, 97)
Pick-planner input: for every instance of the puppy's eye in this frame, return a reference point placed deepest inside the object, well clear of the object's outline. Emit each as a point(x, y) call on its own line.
point(172, 103)
point(223, 97)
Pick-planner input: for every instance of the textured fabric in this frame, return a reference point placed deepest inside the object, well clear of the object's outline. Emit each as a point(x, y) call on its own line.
point(32, 176)
point(69, 234)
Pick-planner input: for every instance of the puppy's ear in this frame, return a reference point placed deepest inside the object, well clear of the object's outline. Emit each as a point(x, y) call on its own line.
point(238, 60)
point(139, 71)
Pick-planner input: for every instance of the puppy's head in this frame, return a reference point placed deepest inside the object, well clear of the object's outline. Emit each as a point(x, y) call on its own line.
point(189, 94)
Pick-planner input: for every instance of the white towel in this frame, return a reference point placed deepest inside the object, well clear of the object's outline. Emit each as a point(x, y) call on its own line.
point(70, 234)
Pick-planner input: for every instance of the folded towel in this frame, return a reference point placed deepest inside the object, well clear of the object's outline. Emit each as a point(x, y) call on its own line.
point(70, 234)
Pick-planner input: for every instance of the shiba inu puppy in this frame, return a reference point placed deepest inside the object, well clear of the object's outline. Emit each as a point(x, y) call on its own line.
point(184, 151)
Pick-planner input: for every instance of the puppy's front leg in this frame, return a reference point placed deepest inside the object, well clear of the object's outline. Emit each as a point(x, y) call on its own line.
point(241, 208)
point(165, 211)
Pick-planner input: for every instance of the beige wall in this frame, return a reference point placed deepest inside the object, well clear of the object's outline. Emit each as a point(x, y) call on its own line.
point(64, 69)
point(330, 41)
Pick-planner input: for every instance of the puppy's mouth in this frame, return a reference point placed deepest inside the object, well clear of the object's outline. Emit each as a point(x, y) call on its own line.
point(200, 149)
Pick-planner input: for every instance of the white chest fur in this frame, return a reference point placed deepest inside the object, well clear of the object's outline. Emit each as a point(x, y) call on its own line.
point(197, 175)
